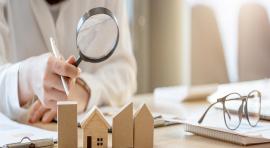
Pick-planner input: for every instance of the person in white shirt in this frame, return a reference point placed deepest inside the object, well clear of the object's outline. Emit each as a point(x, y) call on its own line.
point(29, 71)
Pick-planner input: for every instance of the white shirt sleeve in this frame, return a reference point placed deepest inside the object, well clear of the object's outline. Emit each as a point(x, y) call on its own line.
point(114, 81)
point(9, 100)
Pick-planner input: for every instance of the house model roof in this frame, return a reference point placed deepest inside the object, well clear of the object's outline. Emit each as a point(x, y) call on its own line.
point(144, 110)
point(89, 116)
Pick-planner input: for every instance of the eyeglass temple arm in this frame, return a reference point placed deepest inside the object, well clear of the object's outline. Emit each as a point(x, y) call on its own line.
point(204, 114)
point(241, 98)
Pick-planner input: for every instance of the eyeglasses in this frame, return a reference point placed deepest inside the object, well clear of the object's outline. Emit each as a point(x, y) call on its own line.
point(234, 104)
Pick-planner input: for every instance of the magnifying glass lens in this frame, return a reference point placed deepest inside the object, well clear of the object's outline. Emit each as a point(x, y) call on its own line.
point(97, 36)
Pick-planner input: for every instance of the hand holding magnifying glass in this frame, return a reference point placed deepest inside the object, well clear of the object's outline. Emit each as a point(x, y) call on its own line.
point(97, 36)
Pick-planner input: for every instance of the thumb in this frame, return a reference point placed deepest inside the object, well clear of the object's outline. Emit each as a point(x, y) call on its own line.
point(71, 60)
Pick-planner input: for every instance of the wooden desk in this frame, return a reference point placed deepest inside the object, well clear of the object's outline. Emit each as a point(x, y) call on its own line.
point(173, 136)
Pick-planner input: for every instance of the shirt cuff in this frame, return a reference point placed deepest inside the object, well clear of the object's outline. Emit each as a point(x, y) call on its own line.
point(15, 111)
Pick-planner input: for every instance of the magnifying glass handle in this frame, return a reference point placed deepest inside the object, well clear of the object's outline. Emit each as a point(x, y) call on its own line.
point(78, 61)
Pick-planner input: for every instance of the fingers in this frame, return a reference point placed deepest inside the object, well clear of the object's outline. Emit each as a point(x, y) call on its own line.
point(49, 116)
point(65, 69)
point(51, 96)
point(52, 86)
point(33, 109)
point(54, 81)
point(71, 60)
point(37, 112)
point(48, 103)
point(55, 95)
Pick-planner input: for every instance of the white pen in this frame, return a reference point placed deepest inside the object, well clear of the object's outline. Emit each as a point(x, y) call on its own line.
point(57, 55)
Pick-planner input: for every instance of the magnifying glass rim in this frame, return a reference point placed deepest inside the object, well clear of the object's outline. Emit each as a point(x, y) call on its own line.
point(86, 16)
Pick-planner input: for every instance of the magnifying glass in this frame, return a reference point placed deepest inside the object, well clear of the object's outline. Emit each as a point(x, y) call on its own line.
point(97, 35)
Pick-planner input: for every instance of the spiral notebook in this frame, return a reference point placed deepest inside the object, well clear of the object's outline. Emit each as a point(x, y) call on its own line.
point(244, 135)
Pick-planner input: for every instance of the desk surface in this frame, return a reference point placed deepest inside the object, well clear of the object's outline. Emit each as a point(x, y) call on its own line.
point(172, 136)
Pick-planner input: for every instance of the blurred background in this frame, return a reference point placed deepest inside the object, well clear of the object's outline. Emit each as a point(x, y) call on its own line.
point(195, 42)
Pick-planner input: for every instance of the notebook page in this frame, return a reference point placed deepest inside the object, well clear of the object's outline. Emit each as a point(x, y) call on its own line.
point(13, 132)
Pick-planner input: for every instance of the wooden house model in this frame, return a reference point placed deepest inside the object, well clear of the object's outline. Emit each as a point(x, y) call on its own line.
point(95, 130)
point(143, 128)
point(122, 135)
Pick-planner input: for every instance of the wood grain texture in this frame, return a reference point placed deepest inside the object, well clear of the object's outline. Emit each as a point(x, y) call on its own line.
point(67, 124)
point(96, 126)
point(122, 135)
point(143, 128)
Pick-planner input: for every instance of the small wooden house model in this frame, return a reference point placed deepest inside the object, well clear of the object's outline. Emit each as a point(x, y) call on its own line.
point(95, 130)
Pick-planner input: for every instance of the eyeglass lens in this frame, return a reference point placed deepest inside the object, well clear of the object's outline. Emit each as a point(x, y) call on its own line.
point(253, 107)
point(235, 108)
point(232, 106)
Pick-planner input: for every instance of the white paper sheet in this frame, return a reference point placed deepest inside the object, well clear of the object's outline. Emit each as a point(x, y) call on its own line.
point(180, 93)
point(160, 119)
point(244, 88)
point(171, 94)
point(11, 131)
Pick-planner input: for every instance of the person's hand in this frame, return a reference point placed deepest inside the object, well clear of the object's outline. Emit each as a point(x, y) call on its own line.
point(38, 112)
point(80, 92)
point(51, 81)
point(40, 76)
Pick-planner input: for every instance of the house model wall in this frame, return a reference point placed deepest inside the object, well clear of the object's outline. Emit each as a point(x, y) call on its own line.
point(122, 135)
point(67, 124)
point(95, 130)
point(133, 132)
point(143, 128)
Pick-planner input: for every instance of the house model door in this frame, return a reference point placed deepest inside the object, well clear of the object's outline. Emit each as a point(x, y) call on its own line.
point(89, 141)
